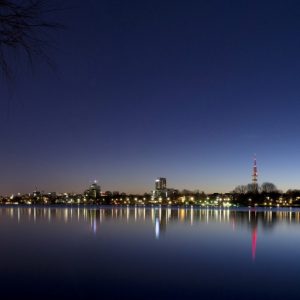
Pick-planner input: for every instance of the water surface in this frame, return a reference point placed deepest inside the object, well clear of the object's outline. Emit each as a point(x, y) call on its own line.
point(149, 253)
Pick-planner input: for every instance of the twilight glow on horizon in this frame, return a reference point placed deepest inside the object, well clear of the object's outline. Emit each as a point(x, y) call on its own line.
point(145, 89)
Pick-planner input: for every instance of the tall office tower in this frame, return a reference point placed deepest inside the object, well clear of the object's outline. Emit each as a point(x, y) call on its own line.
point(94, 191)
point(160, 184)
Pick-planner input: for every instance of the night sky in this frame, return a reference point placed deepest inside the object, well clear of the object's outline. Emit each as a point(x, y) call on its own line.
point(187, 90)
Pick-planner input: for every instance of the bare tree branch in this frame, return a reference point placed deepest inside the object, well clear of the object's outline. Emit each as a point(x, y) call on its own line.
point(22, 29)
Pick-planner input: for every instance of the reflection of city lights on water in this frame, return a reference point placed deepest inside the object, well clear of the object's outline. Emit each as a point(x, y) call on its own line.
point(18, 215)
point(94, 226)
point(156, 228)
point(159, 218)
point(254, 239)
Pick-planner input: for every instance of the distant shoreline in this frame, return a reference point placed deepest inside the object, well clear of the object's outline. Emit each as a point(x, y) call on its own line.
point(197, 207)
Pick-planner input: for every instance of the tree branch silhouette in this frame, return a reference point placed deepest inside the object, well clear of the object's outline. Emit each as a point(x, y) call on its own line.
point(24, 29)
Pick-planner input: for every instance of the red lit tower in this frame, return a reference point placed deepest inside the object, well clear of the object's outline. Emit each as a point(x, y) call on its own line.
point(255, 175)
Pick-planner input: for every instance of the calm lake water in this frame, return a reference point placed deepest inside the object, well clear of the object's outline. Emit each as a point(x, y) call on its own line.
point(149, 253)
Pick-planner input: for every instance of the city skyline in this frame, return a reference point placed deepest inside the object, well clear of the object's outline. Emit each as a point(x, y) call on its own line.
point(160, 185)
point(187, 91)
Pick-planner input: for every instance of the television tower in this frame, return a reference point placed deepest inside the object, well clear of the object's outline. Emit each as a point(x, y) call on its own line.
point(255, 175)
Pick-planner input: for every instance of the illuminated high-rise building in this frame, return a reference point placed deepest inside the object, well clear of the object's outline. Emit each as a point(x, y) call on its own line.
point(94, 191)
point(160, 191)
point(160, 184)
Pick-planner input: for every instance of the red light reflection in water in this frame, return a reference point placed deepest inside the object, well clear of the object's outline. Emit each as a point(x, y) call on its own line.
point(254, 238)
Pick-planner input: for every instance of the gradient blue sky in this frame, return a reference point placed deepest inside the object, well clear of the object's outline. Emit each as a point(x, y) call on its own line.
point(188, 90)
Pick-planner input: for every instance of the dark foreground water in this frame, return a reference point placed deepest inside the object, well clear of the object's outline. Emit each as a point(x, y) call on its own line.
point(149, 253)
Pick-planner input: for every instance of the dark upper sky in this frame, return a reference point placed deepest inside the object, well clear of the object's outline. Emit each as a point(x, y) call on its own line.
point(188, 90)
